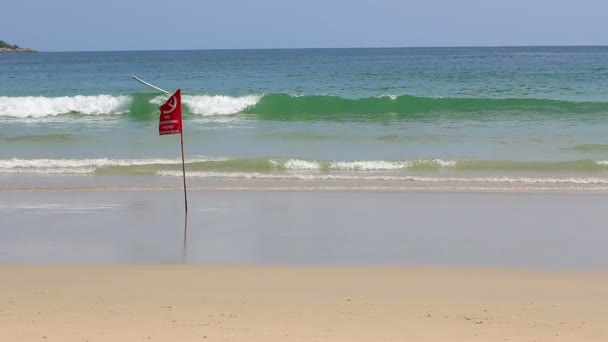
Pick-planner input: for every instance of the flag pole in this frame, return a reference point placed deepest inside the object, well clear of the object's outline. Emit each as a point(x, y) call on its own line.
point(149, 84)
point(181, 135)
point(169, 122)
point(185, 246)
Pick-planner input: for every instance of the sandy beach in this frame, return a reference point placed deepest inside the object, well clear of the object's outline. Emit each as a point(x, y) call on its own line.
point(254, 303)
point(302, 266)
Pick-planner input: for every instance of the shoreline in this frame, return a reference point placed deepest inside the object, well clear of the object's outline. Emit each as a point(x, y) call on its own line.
point(87, 183)
point(556, 231)
point(264, 303)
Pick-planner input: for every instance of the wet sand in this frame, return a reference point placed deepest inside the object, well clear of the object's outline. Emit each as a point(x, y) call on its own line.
point(305, 227)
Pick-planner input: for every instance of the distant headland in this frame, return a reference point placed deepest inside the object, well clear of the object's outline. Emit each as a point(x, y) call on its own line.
point(6, 47)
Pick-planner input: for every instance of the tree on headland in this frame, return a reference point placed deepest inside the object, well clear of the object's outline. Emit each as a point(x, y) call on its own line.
point(6, 47)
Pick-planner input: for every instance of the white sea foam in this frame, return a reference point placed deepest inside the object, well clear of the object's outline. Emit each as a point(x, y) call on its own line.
point(48, 170)
point(373, 165)
point(367, 177)
point(40, 106)
point(442, 162)
point(383, 165)
point(377, 170)
point(298, 164)
point(362, 165)
point(239, 175)
point(219, 104)
point(214, 104)
point(390, 96)
point(81, 166)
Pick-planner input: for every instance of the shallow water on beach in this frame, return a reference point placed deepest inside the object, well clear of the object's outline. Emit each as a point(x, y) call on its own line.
point(305, 228)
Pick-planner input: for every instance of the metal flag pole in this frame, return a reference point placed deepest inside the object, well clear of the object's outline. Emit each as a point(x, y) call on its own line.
point(181, 138)
point(149, 84)
point(185, 246)
point(181, 134)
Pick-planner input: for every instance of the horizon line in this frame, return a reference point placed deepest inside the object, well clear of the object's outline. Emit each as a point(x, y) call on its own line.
point(341, 48)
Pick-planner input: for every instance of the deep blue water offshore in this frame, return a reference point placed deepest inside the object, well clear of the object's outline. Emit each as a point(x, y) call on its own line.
point(511, 115)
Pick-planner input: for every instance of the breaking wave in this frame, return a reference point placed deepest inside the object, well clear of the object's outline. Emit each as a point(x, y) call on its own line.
point(39, 106)
point(152, 166)
point(291, 107)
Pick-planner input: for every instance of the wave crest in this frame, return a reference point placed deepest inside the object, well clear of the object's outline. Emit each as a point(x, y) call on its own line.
point(299, 107)
point(294, 165)
point(40, 106)
point(207, 105)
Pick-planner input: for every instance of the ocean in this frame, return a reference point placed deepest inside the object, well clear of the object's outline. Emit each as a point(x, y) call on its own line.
point(466, 118)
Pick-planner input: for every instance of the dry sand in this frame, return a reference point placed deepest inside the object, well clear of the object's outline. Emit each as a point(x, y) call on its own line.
point(259, 303)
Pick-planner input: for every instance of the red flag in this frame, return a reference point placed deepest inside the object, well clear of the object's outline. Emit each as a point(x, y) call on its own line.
point(171, 115)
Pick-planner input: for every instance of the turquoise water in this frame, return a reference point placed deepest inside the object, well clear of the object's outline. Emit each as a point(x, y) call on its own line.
point(508, 114)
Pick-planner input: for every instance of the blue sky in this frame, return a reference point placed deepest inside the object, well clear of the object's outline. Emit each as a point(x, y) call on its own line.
point(86, 25)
